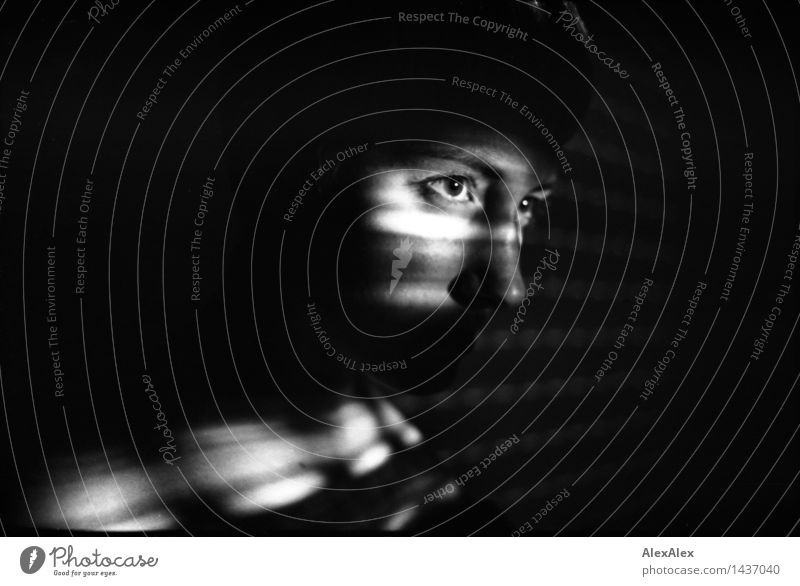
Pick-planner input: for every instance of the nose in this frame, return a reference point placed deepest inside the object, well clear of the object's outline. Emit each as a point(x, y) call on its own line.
point(490, 277)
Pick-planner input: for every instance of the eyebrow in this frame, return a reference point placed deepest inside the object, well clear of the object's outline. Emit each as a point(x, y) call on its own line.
point(435, 150)
point(413, 150)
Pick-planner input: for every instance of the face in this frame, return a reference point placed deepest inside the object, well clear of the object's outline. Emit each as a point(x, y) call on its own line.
point(428, 250)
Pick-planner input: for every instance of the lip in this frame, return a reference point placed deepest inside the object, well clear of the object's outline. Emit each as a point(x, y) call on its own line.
point(474, 321)
point(467, 333)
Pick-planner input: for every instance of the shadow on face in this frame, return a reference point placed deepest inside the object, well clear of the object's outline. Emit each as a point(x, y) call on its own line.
point(418, 247)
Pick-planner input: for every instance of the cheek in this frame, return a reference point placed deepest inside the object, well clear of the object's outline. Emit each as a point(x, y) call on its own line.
point(417, 279)
point(396, 267)
point(419, 246)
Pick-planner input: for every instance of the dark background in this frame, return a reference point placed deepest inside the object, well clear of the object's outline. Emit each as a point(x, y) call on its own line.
point(710, 439)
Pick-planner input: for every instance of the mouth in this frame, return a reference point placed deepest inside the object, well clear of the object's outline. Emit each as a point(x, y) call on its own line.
point(466, 338)
point(459, 342)
point(473, 323)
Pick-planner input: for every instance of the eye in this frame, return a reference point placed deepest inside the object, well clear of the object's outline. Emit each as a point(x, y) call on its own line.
point(454, 188)
point(527, 204)
point(532, 207)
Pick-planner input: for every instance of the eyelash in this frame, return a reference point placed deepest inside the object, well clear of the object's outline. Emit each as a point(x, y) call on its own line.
point(462, 180)
point(530, 206)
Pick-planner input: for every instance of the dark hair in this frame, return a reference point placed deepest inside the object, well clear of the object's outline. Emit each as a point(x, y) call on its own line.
point(367, 83)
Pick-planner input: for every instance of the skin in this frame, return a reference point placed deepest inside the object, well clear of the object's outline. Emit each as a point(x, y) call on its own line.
point(460, 202)
point(464, 199)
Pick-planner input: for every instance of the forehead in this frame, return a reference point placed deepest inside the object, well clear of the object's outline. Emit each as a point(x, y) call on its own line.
point(485, 150)
point(492, 158)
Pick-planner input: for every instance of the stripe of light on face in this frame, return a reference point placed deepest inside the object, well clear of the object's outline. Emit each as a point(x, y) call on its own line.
point(436, 235)
point(439, 226)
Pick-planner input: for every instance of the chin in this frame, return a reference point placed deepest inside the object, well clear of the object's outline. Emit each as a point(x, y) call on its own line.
point(422, 379)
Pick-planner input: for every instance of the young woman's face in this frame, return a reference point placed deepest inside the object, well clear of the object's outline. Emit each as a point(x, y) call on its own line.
point(429, 248)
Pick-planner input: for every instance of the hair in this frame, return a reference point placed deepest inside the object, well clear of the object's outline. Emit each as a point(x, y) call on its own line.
point(365, 84)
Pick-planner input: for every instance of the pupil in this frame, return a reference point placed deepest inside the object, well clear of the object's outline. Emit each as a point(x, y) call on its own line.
point(454, 187)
